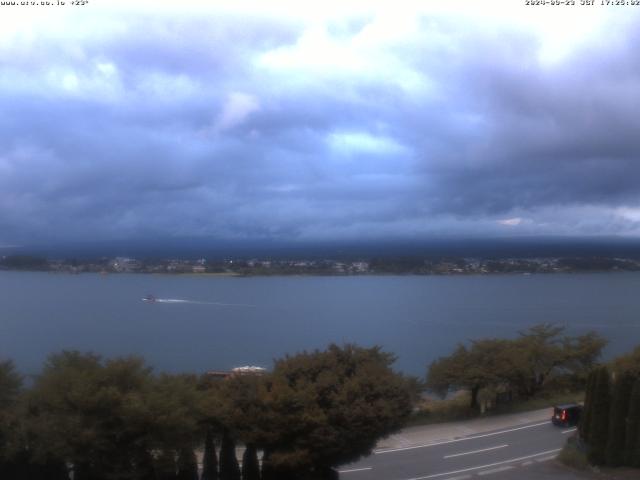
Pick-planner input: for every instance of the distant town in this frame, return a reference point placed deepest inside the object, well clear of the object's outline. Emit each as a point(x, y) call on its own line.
point(374, 266)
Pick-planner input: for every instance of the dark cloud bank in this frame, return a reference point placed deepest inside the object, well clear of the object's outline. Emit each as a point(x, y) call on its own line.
point(184, 128)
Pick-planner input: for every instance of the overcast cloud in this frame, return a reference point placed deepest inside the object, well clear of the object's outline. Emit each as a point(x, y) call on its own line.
point(359, 123)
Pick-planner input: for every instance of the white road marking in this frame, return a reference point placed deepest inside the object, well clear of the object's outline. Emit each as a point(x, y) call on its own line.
point(495, 470)
point(461, 477)
point(391, 450)
point(470, 469)
point(570, 430)
point(355, 470)
point(527, 463)
point(475, 451)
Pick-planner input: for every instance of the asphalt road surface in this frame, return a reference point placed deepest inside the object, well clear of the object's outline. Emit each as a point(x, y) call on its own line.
point(500, 454)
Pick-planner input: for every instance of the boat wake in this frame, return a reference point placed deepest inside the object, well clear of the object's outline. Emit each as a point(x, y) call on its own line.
point(195, 302)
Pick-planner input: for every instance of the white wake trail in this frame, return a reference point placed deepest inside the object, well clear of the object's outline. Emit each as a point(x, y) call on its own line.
point(199, 302)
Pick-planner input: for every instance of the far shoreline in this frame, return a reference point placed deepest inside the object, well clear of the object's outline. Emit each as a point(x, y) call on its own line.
point(324, 275)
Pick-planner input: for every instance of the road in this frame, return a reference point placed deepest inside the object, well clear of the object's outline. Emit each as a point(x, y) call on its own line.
point(487, 454)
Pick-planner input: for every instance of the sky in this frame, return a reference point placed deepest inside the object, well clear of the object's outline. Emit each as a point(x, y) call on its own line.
point(253, 120)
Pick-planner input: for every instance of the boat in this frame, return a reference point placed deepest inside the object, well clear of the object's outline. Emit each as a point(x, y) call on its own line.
point(149, 299)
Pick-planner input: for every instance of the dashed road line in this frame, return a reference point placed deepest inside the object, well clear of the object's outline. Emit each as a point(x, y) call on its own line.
point(480, 467)
point(569, 431)
point(475, 451)
point(495, 470)
point(391, 450)
point(351, 470)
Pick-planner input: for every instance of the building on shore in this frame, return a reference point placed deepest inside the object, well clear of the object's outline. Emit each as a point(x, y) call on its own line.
point(247, 370)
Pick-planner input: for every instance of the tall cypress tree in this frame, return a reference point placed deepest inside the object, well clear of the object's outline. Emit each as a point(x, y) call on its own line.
point(632, 436)
point(209, 460)
point(272, 471)
point(250, 465)
point(82, 471)
point(328, 473)
point(166, 467)
point(617, 420)
point(599, 424)
point(187, 464)
point(588, 407)
point(55, 469)
point(268, 473)
point(229, 468)
point(22, 466)
point(145, 468)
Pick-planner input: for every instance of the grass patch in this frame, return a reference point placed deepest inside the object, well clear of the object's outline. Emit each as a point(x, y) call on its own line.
point(542, 401)
point(457, 408)
point(438, 411)
point(572, 457)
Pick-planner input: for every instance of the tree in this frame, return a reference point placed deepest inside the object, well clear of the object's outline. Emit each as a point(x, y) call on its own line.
point(485, 364)
point(144, 466)
point(632, 436)
point(101, 408)
point(525, 364)
point(10, 385)
point(599, 427)
point(50, 469)
point(267, 471)
point(229, 468)
point(617, 420)
point(250, 465)
point(585, 421)
point(629, 363)
point(175, 404)
point(239, 402)
point(114, 413)
point(611, 421)
point(326, 408)
point(187, 464)
point(582, 354)
point(209, 460)
point(21, 466)
point(447, 373)
point(542, 351)
point(166, 465)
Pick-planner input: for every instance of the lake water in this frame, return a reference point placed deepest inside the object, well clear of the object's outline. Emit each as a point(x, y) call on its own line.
point(417, 317)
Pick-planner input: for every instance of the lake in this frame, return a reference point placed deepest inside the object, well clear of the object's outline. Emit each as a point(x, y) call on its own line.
point(211, 322)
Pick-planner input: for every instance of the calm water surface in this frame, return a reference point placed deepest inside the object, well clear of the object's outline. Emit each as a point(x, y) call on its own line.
point(417, 317)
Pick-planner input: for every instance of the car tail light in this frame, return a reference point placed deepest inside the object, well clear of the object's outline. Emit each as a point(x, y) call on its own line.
point(563, 417)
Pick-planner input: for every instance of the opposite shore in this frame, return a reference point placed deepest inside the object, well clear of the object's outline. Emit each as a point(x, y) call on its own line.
point(323, 267)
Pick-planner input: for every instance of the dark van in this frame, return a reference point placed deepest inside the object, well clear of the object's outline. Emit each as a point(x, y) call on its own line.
point(566, 415)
